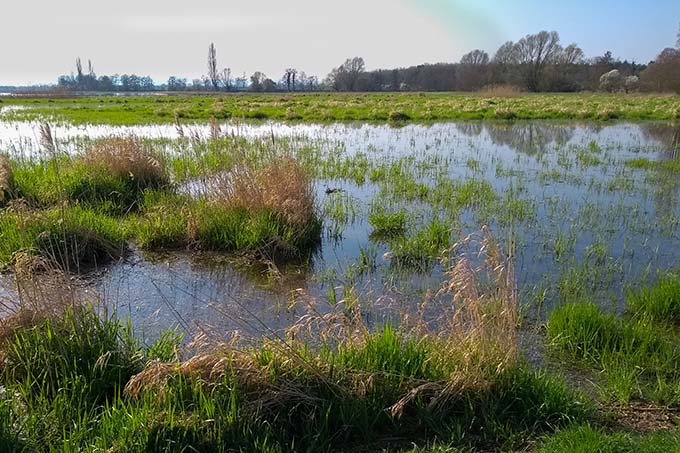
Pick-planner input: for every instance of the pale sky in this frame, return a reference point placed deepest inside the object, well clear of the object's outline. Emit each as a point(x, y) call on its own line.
point(40, 40)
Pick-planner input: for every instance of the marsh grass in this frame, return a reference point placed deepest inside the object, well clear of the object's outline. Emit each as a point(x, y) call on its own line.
point(282, 186)
point(586, 439)
point(81, 381)
point(423, 247)
point(128, 157)
point(6, 180)
point(671, 166)
point(385, 224)
point(73, 238)
point(659, 301)
point(493, 103)
point(638, 357)
point(111, 176)
point(119, 188)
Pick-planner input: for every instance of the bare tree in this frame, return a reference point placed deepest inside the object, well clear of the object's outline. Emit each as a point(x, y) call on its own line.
point(346, 76)
point(213, 75)
point(572, 54)
point(662, 74)
point(534, 52)
point(289, 78)
point(505, 54)
point(473, 70)
point(677, 43)
point(475, 58)
point(79, 70)
point(226, 78)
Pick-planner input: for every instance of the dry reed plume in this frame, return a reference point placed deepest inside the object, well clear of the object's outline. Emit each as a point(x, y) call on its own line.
point(282, 186)
point(128, 157)
point(6, 179)
point(41, 291)
point(474, 340)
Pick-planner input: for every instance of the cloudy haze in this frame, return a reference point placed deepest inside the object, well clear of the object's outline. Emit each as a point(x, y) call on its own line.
point(40, 40)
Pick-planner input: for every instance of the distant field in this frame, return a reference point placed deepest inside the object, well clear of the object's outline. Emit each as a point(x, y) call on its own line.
point(129, 110)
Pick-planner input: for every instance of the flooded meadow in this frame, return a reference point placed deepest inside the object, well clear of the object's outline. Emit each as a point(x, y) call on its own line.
point(585, 210)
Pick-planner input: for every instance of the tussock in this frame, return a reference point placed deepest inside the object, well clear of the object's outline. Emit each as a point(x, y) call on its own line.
point(6, 179)
point(127, 157)
point(474, 342)
point(282, 186)
point(43, 291)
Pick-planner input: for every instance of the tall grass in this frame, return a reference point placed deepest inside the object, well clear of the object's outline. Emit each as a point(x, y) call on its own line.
point(111, 176)
point(281, 186)
point(71, 237)
point(82, 382)
point(586, 439)
point(638, 358)
point(6, 180)
point(660, 301)
point(128, 157)
point(264, 209)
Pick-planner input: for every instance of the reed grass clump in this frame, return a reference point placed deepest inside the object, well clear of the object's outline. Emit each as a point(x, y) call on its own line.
point(128, 158)
point(270, 210)
point(71, 237)
point(6, 180)
point(111, 176)
point(282, 186)
point(266, 212)
point(82, 380)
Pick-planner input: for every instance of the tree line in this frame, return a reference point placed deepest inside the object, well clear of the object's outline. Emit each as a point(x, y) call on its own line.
point(536, 63)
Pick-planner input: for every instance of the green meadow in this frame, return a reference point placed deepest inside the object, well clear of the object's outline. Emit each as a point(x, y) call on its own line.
point(468, 286)
point(327, 107)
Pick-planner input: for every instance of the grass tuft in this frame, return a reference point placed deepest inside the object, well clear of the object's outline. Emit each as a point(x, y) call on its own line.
point(660, 302)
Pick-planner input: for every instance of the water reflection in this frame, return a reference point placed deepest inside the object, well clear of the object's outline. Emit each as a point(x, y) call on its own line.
point(592, 213)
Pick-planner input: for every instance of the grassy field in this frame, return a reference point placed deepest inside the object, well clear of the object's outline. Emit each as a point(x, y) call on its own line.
point(323, 107)
point(76, 380)
point(74, 377)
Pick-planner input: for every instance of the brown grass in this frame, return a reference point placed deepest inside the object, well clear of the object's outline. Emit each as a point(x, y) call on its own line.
point(282, 186)
point(40, 291)
point(6, 179)
point(475, 339)
point(128, 157)
point(501, 91)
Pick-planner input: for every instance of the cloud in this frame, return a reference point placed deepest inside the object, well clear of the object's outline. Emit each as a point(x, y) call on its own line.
point(199, 23)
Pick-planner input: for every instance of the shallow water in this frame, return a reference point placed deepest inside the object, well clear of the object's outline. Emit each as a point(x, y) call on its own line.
point(596, 223)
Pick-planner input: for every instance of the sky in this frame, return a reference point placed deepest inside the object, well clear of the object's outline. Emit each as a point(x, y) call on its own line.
point(40, 39)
